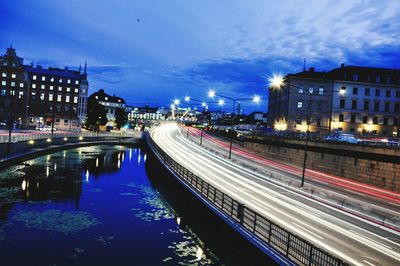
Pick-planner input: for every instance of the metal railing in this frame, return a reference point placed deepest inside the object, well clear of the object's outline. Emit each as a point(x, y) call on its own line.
point(11, 151)
point(297, 249)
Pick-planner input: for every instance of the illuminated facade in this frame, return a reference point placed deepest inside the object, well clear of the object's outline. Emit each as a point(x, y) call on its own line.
point(40, 96)
point(358, 100)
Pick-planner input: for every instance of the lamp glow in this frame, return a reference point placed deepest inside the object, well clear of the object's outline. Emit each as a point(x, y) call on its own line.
point(211, 93)
point(221, 102)
point(276, 81)
point(187, 99)
point(256, 99)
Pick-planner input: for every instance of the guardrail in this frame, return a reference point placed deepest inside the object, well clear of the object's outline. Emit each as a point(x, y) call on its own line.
point(11, 151)
point(297, 249)
point(36, 136)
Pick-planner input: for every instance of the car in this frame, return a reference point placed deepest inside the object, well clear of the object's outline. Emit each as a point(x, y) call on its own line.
point(349, 138)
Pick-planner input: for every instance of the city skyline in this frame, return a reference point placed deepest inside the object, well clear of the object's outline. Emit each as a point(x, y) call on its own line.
point(189, 47)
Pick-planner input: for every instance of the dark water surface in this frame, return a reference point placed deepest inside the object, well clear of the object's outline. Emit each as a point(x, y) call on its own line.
point(109, 205)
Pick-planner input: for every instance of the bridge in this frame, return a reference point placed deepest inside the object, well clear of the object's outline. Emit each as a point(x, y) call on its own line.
point(290, 227)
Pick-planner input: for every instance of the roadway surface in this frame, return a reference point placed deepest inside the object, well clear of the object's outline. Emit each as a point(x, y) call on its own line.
point(351, 238)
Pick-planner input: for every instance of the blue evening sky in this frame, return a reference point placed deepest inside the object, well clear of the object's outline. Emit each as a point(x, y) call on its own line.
point(154, 51)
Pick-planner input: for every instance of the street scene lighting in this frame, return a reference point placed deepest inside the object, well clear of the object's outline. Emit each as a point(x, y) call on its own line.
point(187, 98)
point(276, 81)
point(177, 102)
point(211, 93)
point(221, 102)
point(256, 99)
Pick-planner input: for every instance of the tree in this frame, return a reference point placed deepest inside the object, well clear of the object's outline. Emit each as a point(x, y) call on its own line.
point(96, 114)
point(120, 117)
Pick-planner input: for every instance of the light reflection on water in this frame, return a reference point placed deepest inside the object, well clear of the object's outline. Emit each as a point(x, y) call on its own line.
point(88, 205)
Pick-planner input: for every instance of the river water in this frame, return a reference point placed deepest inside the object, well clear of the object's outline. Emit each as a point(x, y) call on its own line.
point(109, 205)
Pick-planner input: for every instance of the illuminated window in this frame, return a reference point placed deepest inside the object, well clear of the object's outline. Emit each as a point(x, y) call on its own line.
point(51, 97)
point(33, 86)
point(59, 98)
point(4, 74)
point(3, 83)
point(300, 104)
point(67, 98)
point(77, 82)
point(34, 77)
point(68, 89)
point(12, 84)
point(42, 87)
point(33, 93)
point(42, 96)
point(13, 76)
point(21, 85)
point(75, 99)
point(51, 87)
point(60, 80)
point(43, 78)
point(76, 90)
point(20, 94)
point(59, 88)
point(321, 91)
point(106, 98)
point(52, 79)
point(3, 92)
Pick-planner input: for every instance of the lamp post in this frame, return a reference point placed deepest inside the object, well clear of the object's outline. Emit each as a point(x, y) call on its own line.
point(277, 82)
point(212, 94)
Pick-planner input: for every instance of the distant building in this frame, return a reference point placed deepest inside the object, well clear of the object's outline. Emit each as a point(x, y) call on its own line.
point(111, 103)
point(146, 113)
point(359, 100)
point(37, 96)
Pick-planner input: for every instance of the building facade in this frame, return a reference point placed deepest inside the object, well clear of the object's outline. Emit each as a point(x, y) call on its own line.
point(111, 104)
point(358, 100)
point(41, 97)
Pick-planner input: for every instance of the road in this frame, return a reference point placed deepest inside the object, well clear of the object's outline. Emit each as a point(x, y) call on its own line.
point(351, 238)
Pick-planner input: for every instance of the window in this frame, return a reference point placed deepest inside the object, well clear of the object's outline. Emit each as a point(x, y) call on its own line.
point(12, 83)
point(76, 82)
point(367, 91)
point(13, 76)
point(52, 79)
point(3, 83)
point(397, 107)
point(68, 89)
point(3, 92)
point(69, 81)
point(342, 103)
point(387, 107)
point(300, 104)
point(75, 99)
point(42, 87)
point(51, 97)
point(60, 81)
point(301, 90)
point(51, 87)
point(4, 74)
point(321, 91)
point(43, 78)
point(354, 104)
point(355, 91)
point(311, 90)
point(385, 121)
point(378, 79)
point(58, 97)
point(34, 77)
point(67, 98)
point(388, 80)
point(33, 86)
point(377, 92)
point(375, 120)
point(319, 122)
point(20, 94)
point(353, 118)
point(397, 94)
point(366, 105)
point(106, 98)
point(341, 117)
point(355, 77)
point(33, 93)
point(21, 85)
point(66, 120)
point(59, 88)
point(76, 90)
point(376, 106)
point(365, 119)
point(388, 93)
point(42, 96)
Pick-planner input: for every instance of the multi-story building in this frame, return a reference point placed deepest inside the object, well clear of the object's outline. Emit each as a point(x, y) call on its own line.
point(359, 100)
point(111, 104)
point(40, 97)
point(146, 113)
point(370, 103)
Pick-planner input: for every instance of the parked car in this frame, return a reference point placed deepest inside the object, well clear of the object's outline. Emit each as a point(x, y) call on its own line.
point(349, 138)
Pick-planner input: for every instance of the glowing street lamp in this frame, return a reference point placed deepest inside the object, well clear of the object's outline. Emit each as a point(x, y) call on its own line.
point(221, 102)
point(177, 102)
point(276, 81)
point(187, 98)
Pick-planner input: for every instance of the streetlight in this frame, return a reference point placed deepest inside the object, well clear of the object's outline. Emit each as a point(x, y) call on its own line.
point(212, 94)
point(277, 81)
point(11, 115)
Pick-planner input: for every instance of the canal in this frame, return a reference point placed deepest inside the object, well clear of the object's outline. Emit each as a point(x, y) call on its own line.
point(109, 205)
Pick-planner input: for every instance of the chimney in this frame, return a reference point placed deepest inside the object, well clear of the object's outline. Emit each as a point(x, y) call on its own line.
point(312, 69)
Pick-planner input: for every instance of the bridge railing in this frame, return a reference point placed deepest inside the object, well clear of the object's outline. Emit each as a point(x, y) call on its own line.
point(297, 249)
